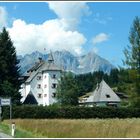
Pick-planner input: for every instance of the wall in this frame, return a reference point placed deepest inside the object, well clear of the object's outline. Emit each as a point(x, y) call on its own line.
point(46, 79)
point(50, 81)
point(35, 90)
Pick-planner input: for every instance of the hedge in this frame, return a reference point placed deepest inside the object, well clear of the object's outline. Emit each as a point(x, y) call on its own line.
point(40, 112)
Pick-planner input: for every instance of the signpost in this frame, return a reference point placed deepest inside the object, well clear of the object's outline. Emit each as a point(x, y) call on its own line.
point(0, 110)
point(0, 113)
point(6, 102)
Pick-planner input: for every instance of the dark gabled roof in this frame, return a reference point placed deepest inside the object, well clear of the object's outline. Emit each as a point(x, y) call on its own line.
point(42, 66)
point(30, 99)
point(35, 66)
point(49, 66)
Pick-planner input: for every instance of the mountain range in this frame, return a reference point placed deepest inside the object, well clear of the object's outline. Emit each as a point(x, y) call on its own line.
point(89, 62)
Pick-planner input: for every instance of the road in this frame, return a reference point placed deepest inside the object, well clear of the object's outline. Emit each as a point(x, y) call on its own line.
point(2, 135)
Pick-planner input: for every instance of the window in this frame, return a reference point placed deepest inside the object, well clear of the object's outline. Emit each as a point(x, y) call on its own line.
point(38, 86)
point(45, 95)
point(45, 77)
point(107, 95)
point(53, 85)
point(53, 94)
point(54, 76)
point(38, 77)
point(21, 87)
point(39, 95)
point(45, 86)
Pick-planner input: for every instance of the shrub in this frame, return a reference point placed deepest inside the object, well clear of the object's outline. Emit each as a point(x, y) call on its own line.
point(74, 112)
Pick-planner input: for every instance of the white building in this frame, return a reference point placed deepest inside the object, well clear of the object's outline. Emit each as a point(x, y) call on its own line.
point(41, 83)
point(103, 95)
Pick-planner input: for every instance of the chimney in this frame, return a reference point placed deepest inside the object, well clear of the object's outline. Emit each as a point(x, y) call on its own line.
point(50, 58)
point(40, 59)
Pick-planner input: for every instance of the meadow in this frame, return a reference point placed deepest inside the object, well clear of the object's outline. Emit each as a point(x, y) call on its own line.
point(79, 128)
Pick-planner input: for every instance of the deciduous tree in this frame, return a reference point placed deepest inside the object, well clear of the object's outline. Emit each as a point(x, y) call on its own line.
point(132, 53)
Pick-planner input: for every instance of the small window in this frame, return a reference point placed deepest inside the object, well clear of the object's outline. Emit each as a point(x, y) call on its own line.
point(45, 77)
point(38, 77)
point(53, 94)
point(53, 85)
point(21, 87)
point(54, 76)
point(45, 86)
point(107, 95)
point(39, 95)
point(38, 86)
point(45, 95)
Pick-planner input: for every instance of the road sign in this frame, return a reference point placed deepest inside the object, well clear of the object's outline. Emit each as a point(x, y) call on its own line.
point(0, 110)
point(5, 101)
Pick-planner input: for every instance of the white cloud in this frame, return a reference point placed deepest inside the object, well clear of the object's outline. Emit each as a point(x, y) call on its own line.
point(3, 17)
point(71, 12)
point(56, 34)
point(100, 38)
point(102, 19)
point(50, 35)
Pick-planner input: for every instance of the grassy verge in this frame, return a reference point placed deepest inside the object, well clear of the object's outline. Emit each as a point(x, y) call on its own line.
point(80, 128)
point(19, 133)
point(5, 128)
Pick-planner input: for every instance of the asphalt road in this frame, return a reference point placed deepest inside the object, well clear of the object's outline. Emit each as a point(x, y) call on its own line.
point(2, 135)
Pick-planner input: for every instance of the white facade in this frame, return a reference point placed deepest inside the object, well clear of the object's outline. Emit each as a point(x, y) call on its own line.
point(42, 83)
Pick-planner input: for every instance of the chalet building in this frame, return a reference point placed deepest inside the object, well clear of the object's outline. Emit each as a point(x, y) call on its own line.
point(40, 83)
point(103, 95)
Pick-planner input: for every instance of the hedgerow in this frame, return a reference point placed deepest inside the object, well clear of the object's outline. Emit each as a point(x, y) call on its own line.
point(73, 112)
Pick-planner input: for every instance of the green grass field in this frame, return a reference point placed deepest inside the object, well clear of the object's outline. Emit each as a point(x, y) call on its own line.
point(81, 128)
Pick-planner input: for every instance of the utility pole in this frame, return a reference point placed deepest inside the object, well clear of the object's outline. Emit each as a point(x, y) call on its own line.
point(10, 109)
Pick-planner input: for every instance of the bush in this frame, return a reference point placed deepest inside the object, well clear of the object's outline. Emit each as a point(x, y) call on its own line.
point(40, 112)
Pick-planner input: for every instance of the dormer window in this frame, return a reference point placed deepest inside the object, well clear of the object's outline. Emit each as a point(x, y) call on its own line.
point(54, 76)
point(107, 96)
point(38, 77)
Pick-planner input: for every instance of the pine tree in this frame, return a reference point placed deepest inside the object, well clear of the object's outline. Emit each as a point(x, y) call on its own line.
point(9, 69)
point(132, 52)
point(113, 77)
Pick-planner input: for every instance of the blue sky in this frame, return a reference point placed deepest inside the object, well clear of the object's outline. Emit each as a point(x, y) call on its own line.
point(80, 27)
